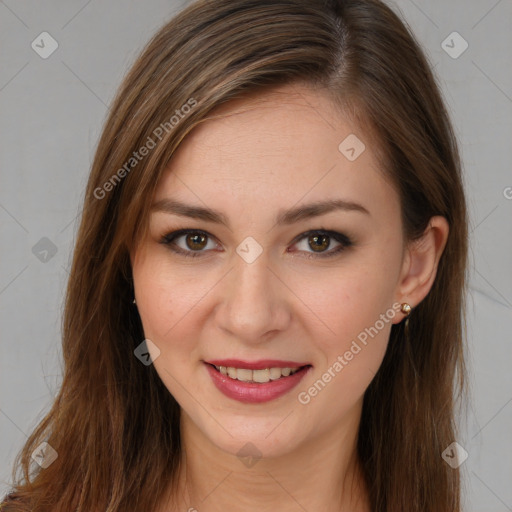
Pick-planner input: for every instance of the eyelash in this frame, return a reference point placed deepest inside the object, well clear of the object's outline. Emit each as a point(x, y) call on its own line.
point(344, 240)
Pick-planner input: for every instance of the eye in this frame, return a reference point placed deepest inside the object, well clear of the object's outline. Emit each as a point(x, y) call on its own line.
point(321, 240)
point(193, 242)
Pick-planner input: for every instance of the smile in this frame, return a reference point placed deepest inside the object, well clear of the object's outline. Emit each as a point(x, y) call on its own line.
point(266, 381)
point(260, 376)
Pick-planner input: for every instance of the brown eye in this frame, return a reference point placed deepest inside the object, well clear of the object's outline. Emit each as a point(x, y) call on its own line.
point(322, 243)
point(319, 242)
point(196, 241)
point(189, 242)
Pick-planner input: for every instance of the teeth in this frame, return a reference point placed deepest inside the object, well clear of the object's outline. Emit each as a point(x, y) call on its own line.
point(243, 375)
point(260, 376)
point(275, 373)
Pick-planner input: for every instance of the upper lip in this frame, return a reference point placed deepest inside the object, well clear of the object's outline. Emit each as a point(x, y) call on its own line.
point(256, 365)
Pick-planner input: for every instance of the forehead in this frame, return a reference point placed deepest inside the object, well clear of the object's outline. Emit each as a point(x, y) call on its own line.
point(273, 149)
point(286, 123)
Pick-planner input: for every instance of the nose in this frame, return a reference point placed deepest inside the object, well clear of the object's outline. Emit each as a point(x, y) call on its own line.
point(253, 302)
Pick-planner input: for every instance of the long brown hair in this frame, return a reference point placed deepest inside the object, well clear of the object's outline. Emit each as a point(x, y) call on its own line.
point(113, 424)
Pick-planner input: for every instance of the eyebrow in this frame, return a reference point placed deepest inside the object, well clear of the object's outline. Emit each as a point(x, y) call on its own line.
point(285, 217)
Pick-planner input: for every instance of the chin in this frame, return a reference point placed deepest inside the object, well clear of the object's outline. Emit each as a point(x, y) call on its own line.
point(249, 436)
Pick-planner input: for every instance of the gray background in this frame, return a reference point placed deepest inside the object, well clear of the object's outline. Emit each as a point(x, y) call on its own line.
point(52, 111)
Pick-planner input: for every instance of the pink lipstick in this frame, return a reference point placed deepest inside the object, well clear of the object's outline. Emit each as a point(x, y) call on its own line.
point(256, 381)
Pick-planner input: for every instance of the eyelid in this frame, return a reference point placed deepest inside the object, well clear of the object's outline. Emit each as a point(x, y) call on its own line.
point(344, 241)
point(175, 234)
point(169, 238)
point(341, 238)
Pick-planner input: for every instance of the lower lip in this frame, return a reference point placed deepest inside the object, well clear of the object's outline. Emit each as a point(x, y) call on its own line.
point(254, 393)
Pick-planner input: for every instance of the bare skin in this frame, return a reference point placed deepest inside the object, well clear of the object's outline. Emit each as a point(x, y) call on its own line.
point(258, 157)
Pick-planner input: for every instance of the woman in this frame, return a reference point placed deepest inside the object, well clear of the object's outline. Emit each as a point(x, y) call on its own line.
point(265, 306)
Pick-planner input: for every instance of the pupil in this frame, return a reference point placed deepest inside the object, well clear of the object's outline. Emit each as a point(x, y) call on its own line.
point(196, 241)
point(316, 245)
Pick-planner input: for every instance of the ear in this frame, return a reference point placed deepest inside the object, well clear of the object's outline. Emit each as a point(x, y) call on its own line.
point(420, 262)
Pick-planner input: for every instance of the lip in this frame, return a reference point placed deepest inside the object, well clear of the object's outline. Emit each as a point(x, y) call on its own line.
point(252, 392)
point(256, 365)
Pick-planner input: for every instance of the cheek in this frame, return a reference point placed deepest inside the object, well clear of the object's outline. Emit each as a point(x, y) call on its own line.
point(357, 320)
point(357, 315)
point(167, 305)
point(165, 299)
point(355, 308)
point(352, 297)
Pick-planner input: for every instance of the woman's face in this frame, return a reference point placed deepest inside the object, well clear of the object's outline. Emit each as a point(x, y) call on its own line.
point(291, 260)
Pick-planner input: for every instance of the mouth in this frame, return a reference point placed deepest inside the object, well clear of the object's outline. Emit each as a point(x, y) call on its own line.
point(256, 382)
point(261, 376)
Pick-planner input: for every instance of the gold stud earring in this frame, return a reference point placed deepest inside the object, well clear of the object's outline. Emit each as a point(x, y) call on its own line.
point(405, 309)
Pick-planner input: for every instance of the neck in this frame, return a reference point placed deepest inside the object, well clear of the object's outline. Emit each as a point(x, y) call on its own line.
point(323, 474)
